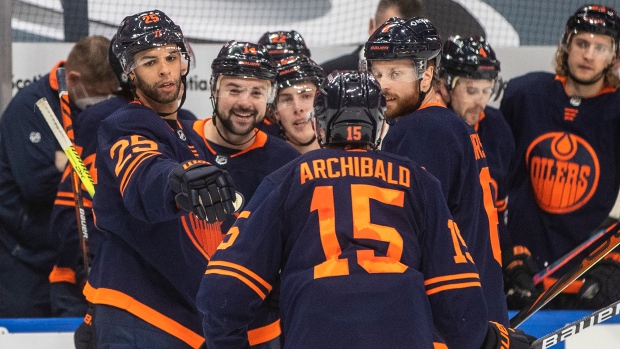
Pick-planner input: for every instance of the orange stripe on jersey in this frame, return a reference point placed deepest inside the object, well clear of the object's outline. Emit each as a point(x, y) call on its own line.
point(133, 166)
point(241, 278)
point(265, 333)
point(61, 202)
point(123, 301)
point(243, 270)
point(62, 275)
point(259, 140)
point(437, 345)
point(452, 287)
point(53, 79)
point(65, 194)
point(451, 278)
point(68, 199)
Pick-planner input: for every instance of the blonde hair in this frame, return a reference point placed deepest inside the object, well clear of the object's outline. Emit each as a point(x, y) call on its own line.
point(561, 69)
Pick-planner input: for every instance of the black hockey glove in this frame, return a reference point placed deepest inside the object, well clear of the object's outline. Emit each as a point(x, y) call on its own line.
point(500, 337)
point(203, 189)
point(519, 269)
point(84, 336)
point(602, 283)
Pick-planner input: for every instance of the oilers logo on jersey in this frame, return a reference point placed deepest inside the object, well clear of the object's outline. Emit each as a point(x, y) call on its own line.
point(564, 170)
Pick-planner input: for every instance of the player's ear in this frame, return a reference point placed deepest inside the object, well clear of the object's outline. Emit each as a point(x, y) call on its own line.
point(73, 77)
point(427, 79)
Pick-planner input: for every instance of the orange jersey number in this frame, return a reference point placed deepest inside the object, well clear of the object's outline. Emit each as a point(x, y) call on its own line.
point(323, 203)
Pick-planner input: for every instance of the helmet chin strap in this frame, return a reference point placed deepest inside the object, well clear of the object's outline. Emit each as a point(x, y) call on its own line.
point(422, 94)
point(183, 81)
point(589, 82)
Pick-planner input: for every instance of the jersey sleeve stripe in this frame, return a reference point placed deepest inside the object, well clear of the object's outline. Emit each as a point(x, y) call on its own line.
point(241, 278)
point(123, 301)
point(263, 334)
point(243, 270)
point(452, 287)
point(451, 278)
point(62, 275)
point(132, 168)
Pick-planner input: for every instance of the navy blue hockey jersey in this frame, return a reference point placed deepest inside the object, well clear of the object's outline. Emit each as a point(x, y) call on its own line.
point(63, 218)
point(28, 175)
point(441, 142)
point(499, 147)
point(152, 257)
point(247, 168)
point(567, 170)
point(366, 252)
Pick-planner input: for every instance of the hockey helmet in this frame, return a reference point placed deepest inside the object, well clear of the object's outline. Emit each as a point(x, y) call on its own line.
point(282, 44)
point(144, 31)
point(349, 109)
point(416, 39)
point(243, 59)
point(295, 69)
point(468, 57)
point(595, 19)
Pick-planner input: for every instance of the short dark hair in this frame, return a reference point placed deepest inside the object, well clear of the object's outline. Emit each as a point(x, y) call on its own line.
point(407, 8)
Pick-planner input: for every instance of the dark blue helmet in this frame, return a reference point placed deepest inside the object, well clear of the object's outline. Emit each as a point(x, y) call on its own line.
point(595, 19)
point(416, 39)
point(296, 69)
point(349, 109)
point(468, 57)
point(281, 44)
point(144, 31)
point(243, 59)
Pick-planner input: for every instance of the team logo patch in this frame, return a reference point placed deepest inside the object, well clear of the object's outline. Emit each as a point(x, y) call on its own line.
point(35, 137)
point(221, 160)
point(575, 101)
point(564, 170)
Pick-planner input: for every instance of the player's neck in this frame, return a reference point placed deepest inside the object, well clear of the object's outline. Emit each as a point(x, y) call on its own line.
point(575, 89)
point(227, 139)
point(160, 108)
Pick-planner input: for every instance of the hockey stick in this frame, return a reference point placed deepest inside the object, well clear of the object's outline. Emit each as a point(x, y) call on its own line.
point(598, 234)
point(76, 187)
point(575, 327)
point(66, 145)
point(590, 260)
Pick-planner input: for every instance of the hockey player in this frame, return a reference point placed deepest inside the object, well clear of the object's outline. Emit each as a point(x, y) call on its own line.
point(69, 273)
point(281, 44)
point(567, 132)
point(360, 239)
point(297, 81)
point(467, 78)
point(146, 273)
point(402, 55)
point(243, 78)
point(31, 166)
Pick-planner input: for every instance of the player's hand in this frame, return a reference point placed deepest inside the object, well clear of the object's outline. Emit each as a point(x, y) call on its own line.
point(519, 269)
point(500, 337)
point(205, 190)
point(602, 283)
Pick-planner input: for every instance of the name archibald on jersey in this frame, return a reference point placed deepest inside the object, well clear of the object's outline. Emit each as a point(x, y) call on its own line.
point(356, 167)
